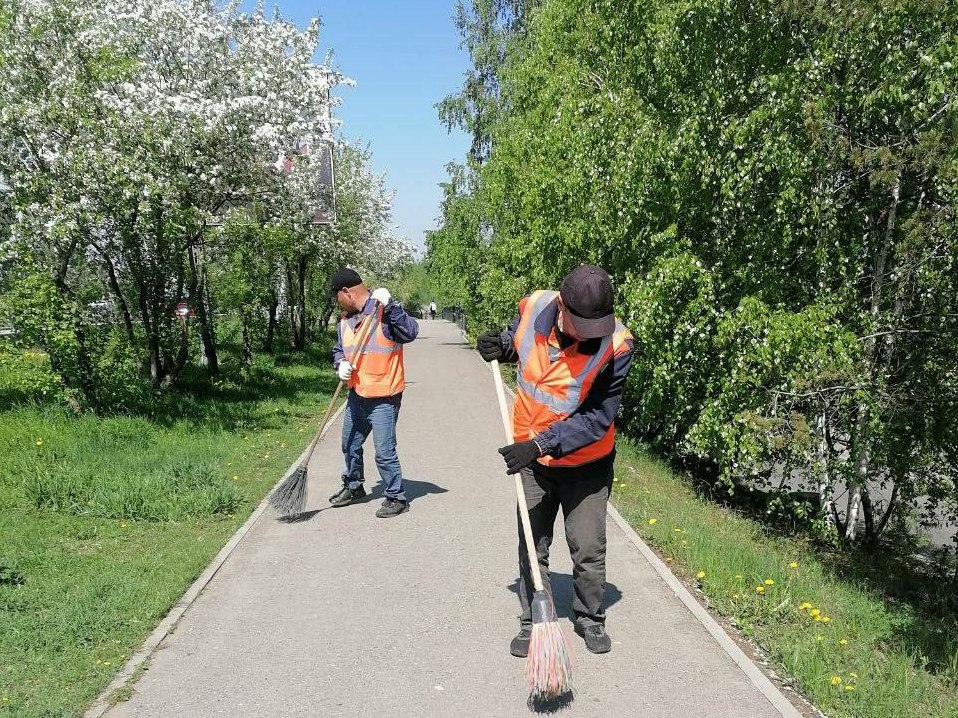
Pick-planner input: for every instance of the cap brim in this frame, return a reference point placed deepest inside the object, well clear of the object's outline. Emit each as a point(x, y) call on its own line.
point(592, 328)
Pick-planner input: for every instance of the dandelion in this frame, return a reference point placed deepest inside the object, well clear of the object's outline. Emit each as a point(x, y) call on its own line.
point(805, 605)
point(615, 480)
point(700, 575)
point(843, 642)
point(814, 612)
point(678, 531)
point(769, 582)
point(793, 564)
point(760, 589)
point(849, 688)
point(738, 576)
point(235, 478)
point(652, 521)
point(817, 618)
point(40, 442)
point(819, 638)
point(123, 524)
point(826, 619)
point(229, 463)
point(853, 674)
point(836, 680)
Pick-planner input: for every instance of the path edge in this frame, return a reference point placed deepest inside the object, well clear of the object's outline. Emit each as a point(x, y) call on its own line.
point(102, 703)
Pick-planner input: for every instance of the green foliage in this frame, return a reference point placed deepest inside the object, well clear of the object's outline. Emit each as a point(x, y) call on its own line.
point(773, 187)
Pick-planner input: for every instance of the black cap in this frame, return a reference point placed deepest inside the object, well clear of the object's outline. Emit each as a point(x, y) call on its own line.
point(587, 293)
point(344, 278)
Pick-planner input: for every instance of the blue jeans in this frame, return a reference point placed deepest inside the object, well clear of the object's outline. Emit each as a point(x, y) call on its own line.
point(379, 416)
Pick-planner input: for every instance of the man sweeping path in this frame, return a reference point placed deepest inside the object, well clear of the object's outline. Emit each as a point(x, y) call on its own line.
point(573, 359)
point(376, 385)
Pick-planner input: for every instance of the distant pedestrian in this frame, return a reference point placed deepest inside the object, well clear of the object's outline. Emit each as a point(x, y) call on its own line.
point(432, 310)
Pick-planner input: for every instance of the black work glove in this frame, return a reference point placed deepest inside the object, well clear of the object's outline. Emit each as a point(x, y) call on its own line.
point(490, 345)
point(519, 455)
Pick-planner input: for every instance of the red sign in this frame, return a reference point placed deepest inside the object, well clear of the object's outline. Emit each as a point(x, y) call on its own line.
point(182, 310)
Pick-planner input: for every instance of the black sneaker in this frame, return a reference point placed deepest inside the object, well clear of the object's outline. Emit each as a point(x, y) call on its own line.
point(345, 496)
point(392, 507)
point(596, 639)
point(519, 647)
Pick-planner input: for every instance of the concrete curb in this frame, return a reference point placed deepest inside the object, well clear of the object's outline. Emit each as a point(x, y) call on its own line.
point(755, 674)
point(102, 703)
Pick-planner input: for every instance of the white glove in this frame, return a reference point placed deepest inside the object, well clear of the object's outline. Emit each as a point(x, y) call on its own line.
point(382, 296)
point(345, 370)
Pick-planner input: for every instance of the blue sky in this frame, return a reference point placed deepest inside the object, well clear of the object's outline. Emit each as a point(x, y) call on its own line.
point(404, 57)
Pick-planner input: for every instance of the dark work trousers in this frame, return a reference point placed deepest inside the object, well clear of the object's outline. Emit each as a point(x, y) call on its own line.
point(582, 493)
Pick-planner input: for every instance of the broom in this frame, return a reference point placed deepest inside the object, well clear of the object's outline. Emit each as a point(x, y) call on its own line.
point(549, 664)
point(289, 499)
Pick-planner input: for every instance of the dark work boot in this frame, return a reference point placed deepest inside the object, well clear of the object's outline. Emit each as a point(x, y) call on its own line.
point(392, 507)
point(596, 639)
point(520, 644)
point(345, 496)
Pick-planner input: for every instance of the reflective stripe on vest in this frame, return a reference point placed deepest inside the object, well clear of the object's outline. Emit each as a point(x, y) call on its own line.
point(552, 385)
point(379, 369)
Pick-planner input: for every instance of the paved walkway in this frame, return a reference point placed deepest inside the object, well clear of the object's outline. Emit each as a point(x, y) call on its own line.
point(345, 614)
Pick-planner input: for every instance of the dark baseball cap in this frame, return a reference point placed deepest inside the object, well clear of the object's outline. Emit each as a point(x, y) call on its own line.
point(343, 279)
point(587, 293)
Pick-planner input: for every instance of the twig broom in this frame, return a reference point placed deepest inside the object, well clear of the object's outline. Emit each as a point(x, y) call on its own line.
point(548, 666)
point(289, 499)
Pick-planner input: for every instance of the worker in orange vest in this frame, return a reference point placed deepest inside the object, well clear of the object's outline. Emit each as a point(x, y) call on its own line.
point(376, 385)
point(573, 357)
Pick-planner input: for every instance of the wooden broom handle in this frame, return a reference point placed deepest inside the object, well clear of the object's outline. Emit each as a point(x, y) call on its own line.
point(520, 491)
point(360, 346)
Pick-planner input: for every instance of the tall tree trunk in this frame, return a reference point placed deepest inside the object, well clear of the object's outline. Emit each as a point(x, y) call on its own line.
point(120, 299)
point(200, 296)
point(861, 445)
point(247, 342)
point(271, 325)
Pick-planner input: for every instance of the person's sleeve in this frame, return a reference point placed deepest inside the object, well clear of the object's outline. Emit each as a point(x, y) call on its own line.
point(398, 326)
point(338, 353)
point(592, 419)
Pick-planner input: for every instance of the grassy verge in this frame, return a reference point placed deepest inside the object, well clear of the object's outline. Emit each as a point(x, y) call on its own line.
point(854, 651)
point(104, 522)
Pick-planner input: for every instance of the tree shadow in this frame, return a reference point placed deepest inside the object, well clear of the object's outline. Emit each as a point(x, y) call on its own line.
point(562, 594)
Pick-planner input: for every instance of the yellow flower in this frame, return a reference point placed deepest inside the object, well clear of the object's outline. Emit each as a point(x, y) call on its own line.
point(123, 524)
point(819, 638)
point(843, 642)
point(39, 442)
point(652, 521)
point(229, 463)
point(826, 619)
point(814, 612)
point(678, 531)
point(700, 575)
point(836, 680)
point(738, 576)
point(769, 582)
point(793, 564)
point(817, 618)
point(804, 606)
point(760, 589)
point(849, 688)
point(235, 478)
point(853, 674)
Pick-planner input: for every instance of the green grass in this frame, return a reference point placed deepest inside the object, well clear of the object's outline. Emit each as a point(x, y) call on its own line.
point(104, 522)
point(875, 656)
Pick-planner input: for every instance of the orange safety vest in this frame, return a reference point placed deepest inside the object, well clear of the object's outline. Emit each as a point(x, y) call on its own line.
point(379, 369)
point(553, 383)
